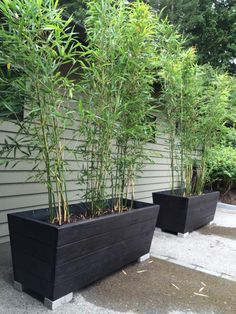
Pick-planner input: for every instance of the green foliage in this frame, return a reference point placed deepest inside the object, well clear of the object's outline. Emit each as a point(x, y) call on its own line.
point(210, 27)
point(231, 108)
point(194, 99)
point(229, 137)
point(221, 164)
point(181, 87)
point(76, 7)
point(127, 46)
point(11, 108)
point(169, 48)
point(118, 78)
point(212, 115)
point(35, 44)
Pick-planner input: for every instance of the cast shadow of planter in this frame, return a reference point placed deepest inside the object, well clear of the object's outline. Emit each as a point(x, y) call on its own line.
point(225, 232)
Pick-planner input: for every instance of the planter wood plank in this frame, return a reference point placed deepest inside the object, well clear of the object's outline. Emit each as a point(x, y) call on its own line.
point(179, 214)
point(54, 261)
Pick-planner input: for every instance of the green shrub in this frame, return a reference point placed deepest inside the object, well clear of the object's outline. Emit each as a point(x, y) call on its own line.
point(221, 165)
point(229, 137)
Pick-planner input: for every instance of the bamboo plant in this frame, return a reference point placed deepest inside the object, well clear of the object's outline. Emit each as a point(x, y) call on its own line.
point(35, 44)
point(211, 118)
point(135, 126)
point(179, 100)
point(194, 100)
point(118, 78)
point(169, 44)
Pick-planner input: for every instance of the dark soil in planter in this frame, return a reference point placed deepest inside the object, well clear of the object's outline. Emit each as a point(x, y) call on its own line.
point(55, 260)
point(181, 214)
point(79, 214)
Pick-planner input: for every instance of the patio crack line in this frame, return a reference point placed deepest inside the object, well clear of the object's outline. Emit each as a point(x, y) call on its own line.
point(195, 267)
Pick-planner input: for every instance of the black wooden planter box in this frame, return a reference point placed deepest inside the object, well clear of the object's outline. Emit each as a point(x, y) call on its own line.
point(56, 260)
point(179, 214)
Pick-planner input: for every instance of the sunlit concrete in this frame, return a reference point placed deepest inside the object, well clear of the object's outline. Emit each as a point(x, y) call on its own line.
point(210, 249)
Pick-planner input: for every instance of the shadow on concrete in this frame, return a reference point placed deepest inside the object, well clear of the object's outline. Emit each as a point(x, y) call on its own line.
point(155, 286)
point(162, 287)
point(5, 263)
point(220, 231)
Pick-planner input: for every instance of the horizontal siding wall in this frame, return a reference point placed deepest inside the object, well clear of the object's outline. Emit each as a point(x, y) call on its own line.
point(16, 194)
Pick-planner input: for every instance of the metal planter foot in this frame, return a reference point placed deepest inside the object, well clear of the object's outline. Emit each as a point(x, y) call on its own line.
point(143, 258)
point(52, 305)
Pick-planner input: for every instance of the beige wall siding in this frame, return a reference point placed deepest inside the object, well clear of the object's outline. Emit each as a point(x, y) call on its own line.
point(18, 195)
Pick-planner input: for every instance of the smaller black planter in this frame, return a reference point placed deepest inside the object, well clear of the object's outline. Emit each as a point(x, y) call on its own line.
point(54, 261)
point(179, 214)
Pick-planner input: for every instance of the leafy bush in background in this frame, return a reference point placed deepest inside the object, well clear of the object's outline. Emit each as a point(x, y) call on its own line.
point(209, 25)
point(229, 138)
point(221, 165)
point(76, 7)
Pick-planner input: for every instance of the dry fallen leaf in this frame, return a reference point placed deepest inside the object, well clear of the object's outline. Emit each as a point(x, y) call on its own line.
point(141, 271)
point(176, 287)
point(201, 295)
point(124, 272)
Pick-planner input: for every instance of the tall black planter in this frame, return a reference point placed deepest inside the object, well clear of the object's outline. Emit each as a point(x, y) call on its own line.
point(179, 214)
point(54, 261)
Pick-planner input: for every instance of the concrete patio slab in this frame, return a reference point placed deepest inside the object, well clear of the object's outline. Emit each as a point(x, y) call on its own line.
point(155, 286)
point(211, 249)
point(226, 206)
point(197, 279)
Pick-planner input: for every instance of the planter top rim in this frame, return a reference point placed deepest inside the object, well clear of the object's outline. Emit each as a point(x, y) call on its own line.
point(80, 222)
point(186, 197)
